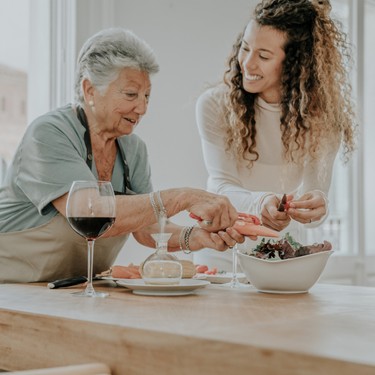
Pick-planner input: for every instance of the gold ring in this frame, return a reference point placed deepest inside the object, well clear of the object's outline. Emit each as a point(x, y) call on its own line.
point(207, 222)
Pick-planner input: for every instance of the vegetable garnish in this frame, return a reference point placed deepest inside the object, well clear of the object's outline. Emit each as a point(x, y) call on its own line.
point(287, 248)
point(284, 205)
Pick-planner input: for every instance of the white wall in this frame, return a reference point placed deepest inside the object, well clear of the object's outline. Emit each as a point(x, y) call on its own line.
point(192, 40)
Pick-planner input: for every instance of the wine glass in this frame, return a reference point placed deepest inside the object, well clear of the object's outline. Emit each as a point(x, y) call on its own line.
point(91, 211)
point(235, 283)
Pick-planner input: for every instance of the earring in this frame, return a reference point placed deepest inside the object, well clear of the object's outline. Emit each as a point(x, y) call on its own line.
point(91, 103)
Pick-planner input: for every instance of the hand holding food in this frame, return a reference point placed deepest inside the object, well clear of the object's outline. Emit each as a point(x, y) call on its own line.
point(213, 212)
point(274, 214)
point(220, 241)
point(246, 225)
point(310, 207)
point(284, 203)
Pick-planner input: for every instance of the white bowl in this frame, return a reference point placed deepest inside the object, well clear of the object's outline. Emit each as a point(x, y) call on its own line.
point(294, 275)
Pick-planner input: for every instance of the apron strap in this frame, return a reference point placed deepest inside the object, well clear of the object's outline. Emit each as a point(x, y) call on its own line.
point(81, 115)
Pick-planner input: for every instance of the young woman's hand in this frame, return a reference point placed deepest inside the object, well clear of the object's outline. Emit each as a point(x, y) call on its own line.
point(271, 217)
point(310, 207)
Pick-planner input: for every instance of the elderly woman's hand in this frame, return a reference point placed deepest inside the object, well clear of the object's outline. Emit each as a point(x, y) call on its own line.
point(215, 211)
point(221, 241)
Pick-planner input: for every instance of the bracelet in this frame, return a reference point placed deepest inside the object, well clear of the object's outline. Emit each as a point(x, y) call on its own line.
point(161, 205)
point(154, 207)
point(183, 239)
point(159, 209)
point(186, 239)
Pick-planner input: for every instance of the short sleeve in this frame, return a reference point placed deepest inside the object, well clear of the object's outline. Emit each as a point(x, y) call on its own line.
point(49, 160)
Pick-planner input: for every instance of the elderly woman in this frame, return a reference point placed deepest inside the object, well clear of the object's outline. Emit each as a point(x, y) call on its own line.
point(93, 140)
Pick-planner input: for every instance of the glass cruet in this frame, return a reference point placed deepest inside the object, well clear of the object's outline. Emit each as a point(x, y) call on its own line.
point(161, 267)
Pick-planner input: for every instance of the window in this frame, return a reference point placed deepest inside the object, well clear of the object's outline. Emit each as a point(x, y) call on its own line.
point(349, 224)
point(24, 76)
point(14, 21)
point(368, 125)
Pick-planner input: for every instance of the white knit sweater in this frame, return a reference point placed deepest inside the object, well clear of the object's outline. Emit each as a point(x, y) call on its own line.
point(271, 173)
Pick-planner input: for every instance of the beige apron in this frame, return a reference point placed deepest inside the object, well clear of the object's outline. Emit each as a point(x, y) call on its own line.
point(52, 251)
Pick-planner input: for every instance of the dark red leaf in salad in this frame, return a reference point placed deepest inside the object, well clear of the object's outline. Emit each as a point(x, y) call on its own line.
point(287, 248)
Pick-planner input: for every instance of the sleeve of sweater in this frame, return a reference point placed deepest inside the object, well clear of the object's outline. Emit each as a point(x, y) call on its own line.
point(318, 174)
point(220, 164)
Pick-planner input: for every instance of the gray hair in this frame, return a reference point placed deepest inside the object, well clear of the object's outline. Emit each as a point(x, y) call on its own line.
point(105, 54)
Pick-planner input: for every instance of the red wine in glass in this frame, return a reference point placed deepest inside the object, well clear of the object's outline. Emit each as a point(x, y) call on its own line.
point(91, 212)
point(91, 227)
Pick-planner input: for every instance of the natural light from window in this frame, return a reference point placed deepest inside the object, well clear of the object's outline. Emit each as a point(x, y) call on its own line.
point(14, 58)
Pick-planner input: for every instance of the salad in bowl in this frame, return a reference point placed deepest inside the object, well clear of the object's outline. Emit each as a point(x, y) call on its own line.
point(285, 266)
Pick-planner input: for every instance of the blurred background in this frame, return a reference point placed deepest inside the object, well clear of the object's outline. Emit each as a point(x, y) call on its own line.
point(39, 42)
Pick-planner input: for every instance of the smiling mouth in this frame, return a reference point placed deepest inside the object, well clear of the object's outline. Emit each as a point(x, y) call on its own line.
point(252, 77)
point(134, 122)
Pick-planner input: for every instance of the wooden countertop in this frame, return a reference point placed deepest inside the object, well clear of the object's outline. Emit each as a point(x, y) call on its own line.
point(330, 330)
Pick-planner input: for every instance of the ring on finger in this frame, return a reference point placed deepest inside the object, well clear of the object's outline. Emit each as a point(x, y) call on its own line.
point(207, 222)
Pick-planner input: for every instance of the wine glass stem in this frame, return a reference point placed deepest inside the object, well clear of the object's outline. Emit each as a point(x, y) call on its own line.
point(90, 260)
point(234, 261)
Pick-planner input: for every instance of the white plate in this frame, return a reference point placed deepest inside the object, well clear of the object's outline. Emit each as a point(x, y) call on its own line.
point(221, 278)
point(186, 286)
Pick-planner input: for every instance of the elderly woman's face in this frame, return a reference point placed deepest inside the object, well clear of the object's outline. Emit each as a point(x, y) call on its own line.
point(124, 103)
point(260, 57)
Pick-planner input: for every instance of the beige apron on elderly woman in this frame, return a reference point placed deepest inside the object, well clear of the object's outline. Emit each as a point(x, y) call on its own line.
point(53, 251)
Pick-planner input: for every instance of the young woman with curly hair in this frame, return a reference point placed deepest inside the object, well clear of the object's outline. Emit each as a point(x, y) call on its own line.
point(276, 122)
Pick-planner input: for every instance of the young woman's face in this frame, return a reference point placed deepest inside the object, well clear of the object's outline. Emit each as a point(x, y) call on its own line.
point(260, 57)
point(125, 101)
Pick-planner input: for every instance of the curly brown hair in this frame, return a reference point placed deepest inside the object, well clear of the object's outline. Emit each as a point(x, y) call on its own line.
point(315, 88)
